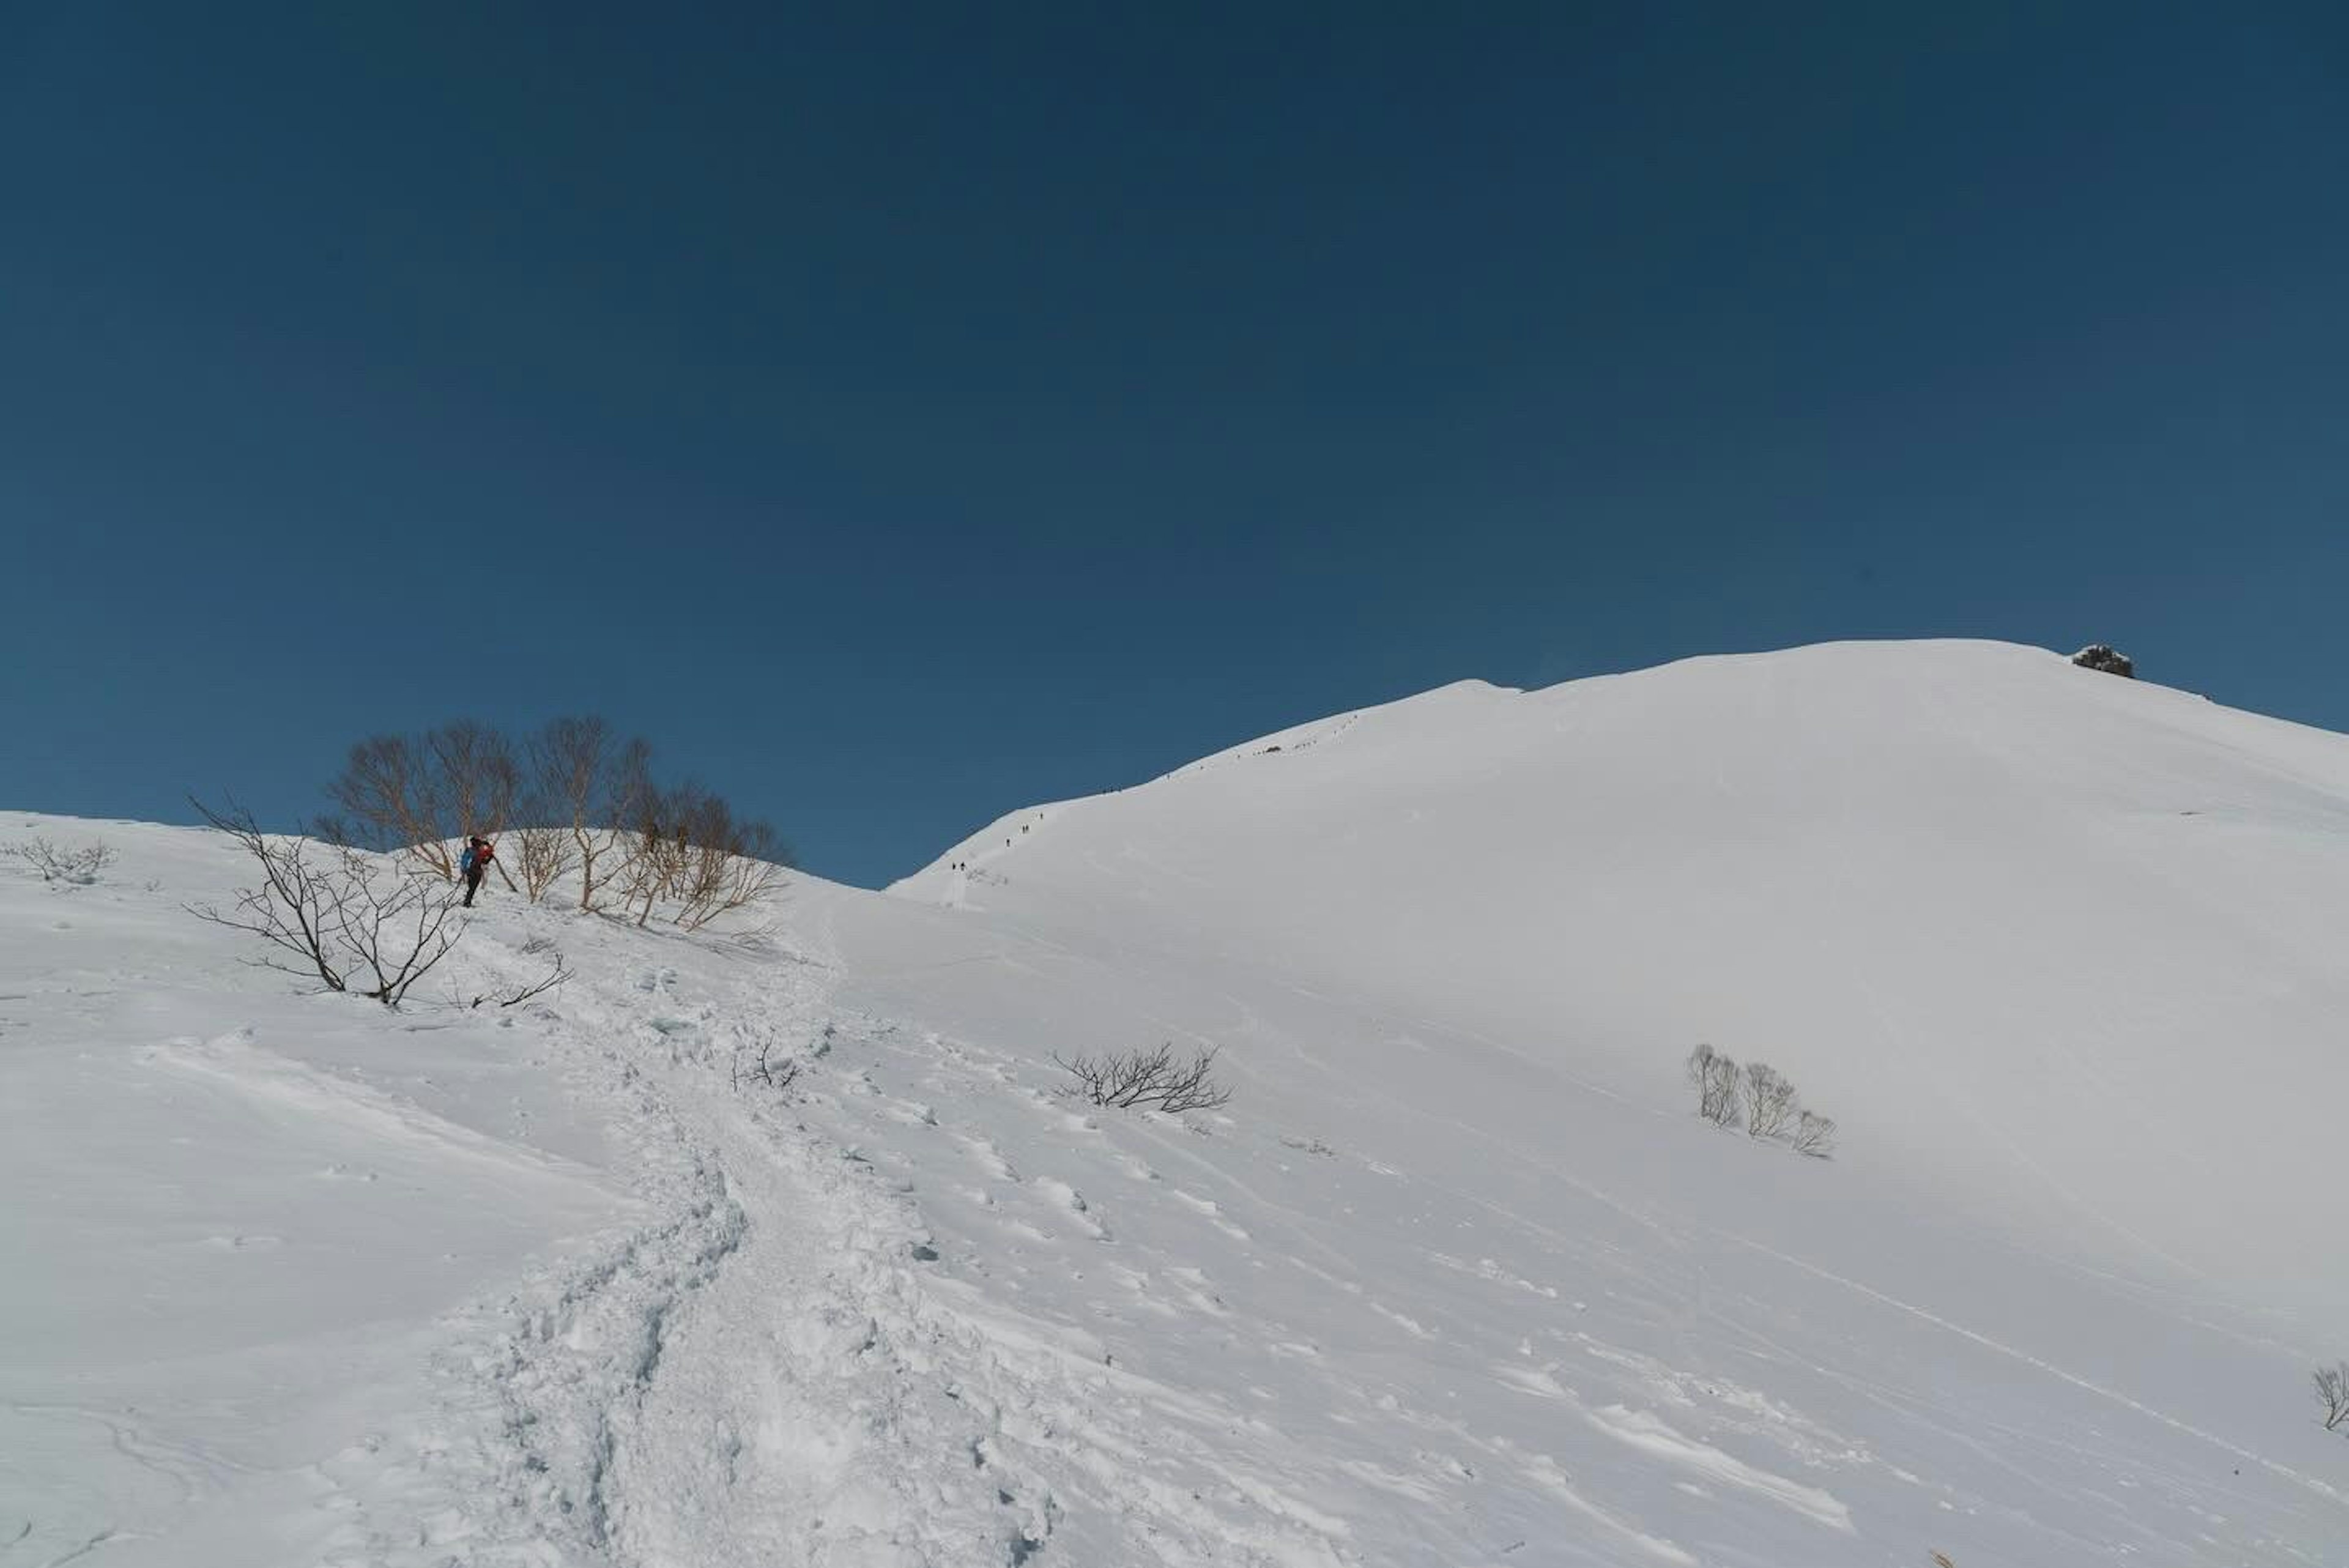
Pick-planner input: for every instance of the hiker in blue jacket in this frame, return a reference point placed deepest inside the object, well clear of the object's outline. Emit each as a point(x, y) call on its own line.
point(479, 853)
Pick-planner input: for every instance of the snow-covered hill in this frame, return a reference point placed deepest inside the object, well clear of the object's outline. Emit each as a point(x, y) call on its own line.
point(1456, 1278)
point(2066, 947)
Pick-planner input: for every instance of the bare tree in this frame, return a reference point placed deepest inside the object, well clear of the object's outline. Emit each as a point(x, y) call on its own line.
point(55, 862)
point(1770, 1104)
point(388, 793)
point(418, 795)
point(592, 781)
point(654, 830)
point(1152, 1079)
point(335, 913)
point(2333, 1393)
point(1815, 1134)
point(1716, 1078)
point(755, 869)
point(715, 862)
point(477, 779)
point(543, 850)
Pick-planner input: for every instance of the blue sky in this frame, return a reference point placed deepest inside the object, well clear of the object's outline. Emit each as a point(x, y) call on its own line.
point(903, 414)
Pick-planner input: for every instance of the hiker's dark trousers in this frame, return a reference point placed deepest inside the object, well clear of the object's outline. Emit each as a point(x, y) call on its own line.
point(472, 885)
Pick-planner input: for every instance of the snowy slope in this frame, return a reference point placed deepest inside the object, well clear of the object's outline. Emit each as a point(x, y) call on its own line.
point(2066, 945)
point(1455, 1279)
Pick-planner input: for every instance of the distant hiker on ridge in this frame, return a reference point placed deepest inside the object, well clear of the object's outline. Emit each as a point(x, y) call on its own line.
point(479, 853)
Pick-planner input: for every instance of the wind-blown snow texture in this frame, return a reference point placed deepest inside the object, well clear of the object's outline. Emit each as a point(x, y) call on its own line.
point(1456, 1278)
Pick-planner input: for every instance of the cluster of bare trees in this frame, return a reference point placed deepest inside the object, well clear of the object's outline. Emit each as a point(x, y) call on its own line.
point(574, 804)
point(353, 921)
point(1152, 1080)
point(1760, 1099)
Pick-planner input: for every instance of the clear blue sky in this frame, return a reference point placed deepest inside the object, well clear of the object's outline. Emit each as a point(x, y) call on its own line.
point(902, 413)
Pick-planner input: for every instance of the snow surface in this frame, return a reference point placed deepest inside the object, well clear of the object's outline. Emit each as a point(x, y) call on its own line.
point(1456, 1278)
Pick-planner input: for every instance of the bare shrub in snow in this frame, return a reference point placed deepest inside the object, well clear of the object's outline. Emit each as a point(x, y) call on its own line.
point(1152, 1079)
point(1814, 1135)
point(1716, 1078)
point(55, 862)
point(2104, 657)
point(2333, 1393)
point(353, 921)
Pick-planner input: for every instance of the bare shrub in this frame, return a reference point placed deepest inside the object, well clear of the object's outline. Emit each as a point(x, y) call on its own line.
point(1716, 1078)
point(335, 913)
point(2333, 1393)
point(477, 776)
point(1152, 1079)
point(55, 862)
point(1814, 1135)
point(1770, 1102)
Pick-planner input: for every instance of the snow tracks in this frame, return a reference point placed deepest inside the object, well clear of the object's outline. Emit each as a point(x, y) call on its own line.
point(750, 1372)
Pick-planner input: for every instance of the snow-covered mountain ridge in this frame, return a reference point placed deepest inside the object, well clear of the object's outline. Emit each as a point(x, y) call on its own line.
point(1456, 1278)
point(2068, 942)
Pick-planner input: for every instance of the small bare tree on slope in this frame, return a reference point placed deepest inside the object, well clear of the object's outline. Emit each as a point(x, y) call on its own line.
point(1814, 1135)
point(1769, 1101)
point(2333, 1393)
point(592, 781)
point(333, 912)
point(1716, 1078)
